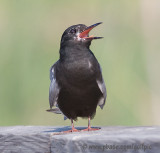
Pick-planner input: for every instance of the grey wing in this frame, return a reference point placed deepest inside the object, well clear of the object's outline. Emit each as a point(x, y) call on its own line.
point(102, 87)
point(56, 111)
point(54, 88)
point(54, 92)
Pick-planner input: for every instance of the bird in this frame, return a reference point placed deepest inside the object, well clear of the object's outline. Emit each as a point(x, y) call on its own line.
point(77, 86)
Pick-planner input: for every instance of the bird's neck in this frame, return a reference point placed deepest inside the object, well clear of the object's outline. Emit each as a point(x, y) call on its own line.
point(71, 51)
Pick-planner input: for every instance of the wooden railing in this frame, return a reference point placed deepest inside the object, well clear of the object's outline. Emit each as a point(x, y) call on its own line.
point(46, 139)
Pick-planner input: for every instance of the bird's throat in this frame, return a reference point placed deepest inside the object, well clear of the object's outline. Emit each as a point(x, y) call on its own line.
point(73, 51)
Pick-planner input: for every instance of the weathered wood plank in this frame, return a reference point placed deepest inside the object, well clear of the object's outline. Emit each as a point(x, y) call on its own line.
point(110, 140)
point(46, 139)
point(25, 139)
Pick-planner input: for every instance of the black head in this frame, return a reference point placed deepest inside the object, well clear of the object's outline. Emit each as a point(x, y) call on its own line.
point(78, 34)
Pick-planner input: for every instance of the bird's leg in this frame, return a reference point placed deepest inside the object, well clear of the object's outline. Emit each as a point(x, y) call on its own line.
point(73, 128)
point(89, 123)
point(89, 126)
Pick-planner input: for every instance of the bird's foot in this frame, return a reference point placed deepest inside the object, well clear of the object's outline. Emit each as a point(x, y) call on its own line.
point(90, 129)
point(73, 130)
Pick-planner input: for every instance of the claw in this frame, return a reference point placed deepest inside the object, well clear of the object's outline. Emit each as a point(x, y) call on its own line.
point(73, 129)
point(90, 129)
point(89, 126)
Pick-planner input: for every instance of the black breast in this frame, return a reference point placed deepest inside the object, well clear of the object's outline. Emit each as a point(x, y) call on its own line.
point(79, 92)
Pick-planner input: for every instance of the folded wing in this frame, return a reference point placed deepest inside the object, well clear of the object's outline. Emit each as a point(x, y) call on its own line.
point(54, 88)
point(102, 87)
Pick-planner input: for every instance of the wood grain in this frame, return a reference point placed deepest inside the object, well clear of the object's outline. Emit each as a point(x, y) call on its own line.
point(47, 139)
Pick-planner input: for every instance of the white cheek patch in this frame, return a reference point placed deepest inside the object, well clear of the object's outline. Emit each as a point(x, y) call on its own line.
point(78, 38)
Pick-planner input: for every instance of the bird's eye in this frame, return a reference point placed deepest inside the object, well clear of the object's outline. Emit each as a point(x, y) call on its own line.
point(73, 31)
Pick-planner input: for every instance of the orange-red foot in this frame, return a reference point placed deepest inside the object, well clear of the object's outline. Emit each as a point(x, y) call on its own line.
point(73, 130)
point(91, 129)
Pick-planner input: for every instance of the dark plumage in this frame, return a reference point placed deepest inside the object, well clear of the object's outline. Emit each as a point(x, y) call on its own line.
point(77, 86)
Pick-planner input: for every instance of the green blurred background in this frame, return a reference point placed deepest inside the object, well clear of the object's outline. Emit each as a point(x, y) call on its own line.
point(129, 54)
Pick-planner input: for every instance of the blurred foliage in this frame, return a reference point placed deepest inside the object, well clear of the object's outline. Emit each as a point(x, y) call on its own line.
point(30, 33)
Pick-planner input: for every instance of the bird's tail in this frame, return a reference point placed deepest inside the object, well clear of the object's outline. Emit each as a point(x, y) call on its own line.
point(56, 111)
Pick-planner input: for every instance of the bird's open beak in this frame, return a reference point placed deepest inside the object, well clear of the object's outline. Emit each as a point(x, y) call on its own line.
point(85, 33)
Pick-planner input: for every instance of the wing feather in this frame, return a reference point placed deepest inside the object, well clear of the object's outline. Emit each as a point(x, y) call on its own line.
point(54, 92)
point(102, 87)
point(54, 88)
